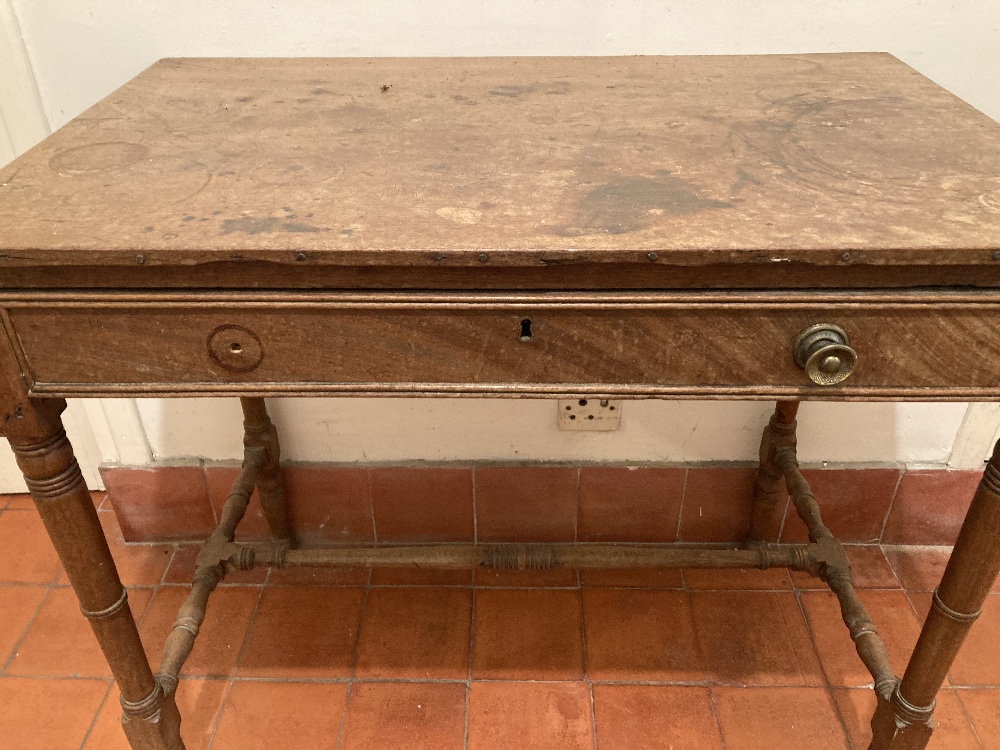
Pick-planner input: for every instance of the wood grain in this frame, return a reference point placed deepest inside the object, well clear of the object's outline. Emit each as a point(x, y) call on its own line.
point(513, 162)
point(913, 345)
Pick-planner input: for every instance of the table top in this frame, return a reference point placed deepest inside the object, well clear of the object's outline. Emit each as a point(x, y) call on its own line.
point(823, 159)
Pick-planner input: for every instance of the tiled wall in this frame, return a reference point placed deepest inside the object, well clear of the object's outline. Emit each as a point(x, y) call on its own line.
point(535, 503)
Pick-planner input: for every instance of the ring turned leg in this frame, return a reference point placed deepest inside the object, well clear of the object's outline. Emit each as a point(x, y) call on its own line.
point(904, 719)
point(258, 431)
point(45, 456)
point(779, 433)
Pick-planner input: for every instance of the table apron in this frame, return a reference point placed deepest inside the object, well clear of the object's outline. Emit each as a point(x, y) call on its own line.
point(525, 345)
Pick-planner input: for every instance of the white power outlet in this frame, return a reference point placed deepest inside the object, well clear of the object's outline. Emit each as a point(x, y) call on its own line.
point(589, 414)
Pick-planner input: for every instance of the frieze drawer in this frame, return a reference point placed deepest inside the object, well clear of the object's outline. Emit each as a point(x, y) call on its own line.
point(904, 345)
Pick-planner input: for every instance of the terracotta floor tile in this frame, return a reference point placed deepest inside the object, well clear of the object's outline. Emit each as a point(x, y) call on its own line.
point(303, 632)
point(526, 504)
point(778, 719)
point(220, 637)
point(548, 578)
point(198, 700)
point(60, 642)
point(220, 479)
point(416, 633)
point(422, 504)
point(181, 569)
point(630, 717)
point(754, 638)
point(921, 603)
point(634, 634)
point(421, 577)
point(286, 715)
point(18, 502)
point(156, 505)
point(717, 503)
point(930, 506)
point(869, 568)
point(952, 730)
point(530, 716)
point(983, 707)
point(306, 576)
point(978, 663)
point(707, 579)
point(919, 568)
point(893, 617)
point(18, 605)
point(25, 501)
point(46, 714)
point(26, 556)
point(626, 578)
point(405, 716)
point(138, 564)
point(527, 635)
point(329, 504)
point(854, 503)
point(630, 504)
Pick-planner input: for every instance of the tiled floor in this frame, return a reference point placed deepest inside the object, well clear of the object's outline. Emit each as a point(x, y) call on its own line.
point(555, 660)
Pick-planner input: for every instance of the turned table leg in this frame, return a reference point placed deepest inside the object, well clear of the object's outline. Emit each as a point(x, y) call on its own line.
point(904, 719)
point(150, 720)
point(258, 431)
point(779, 433)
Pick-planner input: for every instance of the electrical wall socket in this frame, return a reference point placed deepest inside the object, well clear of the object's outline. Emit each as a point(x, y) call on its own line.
point(589, 415)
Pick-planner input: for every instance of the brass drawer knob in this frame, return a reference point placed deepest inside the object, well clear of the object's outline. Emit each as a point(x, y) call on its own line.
point(824, 352)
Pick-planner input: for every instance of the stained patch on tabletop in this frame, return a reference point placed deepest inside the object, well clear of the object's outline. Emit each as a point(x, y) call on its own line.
point(850, 146)
point(556, 88)
point(298, 226)
point(630, 204)
point(511, 92)
point(264, 225)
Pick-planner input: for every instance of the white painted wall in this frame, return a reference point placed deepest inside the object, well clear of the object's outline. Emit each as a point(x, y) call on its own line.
point(60, 56)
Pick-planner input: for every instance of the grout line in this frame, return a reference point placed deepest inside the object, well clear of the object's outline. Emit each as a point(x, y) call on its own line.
point(475, 508)
point(97, 713)
point(797, 593)
point(170, 561)
point(371, 505)
point(968, 718)
point(713, 708)
point(784, 514)
point(892, 568)
point(208, 492)
point(576, 515)
point(586, 663)
point(24, 633)
point(231, 680)
point(352, 675)
point(680, 513)
point(468, 682)
point(892, 503)
point(840, 714)
point(913, 606)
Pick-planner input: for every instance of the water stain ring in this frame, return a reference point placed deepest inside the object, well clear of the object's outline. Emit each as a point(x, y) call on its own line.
point(98, 157)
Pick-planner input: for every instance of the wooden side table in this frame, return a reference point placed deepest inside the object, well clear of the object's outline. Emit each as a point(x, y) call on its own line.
point(794, 228)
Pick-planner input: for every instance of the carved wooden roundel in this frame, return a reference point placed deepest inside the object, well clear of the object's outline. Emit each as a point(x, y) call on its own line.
point(235, 348)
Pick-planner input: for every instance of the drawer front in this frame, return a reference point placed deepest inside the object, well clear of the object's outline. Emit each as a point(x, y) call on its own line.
point(648, 347)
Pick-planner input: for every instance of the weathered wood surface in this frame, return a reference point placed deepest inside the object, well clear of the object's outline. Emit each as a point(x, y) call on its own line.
point(825, 159)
